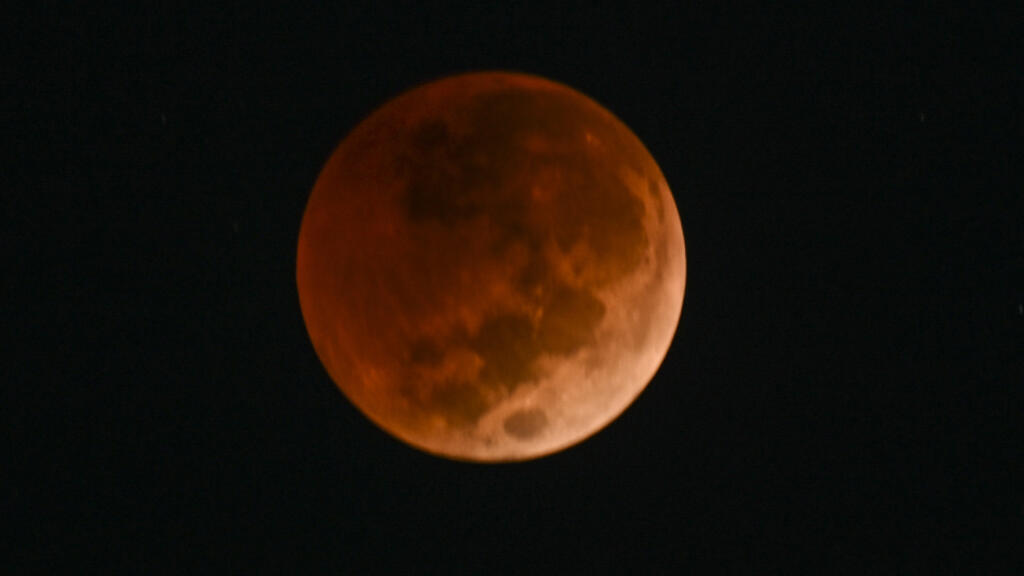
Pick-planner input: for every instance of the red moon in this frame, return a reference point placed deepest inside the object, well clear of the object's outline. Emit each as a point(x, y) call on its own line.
point(491, 267)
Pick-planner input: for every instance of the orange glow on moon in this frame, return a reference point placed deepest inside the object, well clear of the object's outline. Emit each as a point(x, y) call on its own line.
point(491, 267)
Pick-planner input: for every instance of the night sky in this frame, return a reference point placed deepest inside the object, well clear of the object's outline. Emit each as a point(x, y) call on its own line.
point(844, 393)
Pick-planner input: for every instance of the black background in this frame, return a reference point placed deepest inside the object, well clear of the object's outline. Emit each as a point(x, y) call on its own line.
point(843, 393)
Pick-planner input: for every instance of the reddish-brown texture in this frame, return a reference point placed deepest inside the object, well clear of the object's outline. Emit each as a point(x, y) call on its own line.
point(491, 267)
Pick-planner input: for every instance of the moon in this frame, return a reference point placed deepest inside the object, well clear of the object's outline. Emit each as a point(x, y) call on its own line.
point(491, 267)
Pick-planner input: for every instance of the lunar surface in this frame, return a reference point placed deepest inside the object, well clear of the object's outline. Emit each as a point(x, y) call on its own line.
point(491, 267)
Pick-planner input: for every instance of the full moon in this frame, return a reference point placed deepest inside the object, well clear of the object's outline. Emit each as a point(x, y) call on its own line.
point(491, 267)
